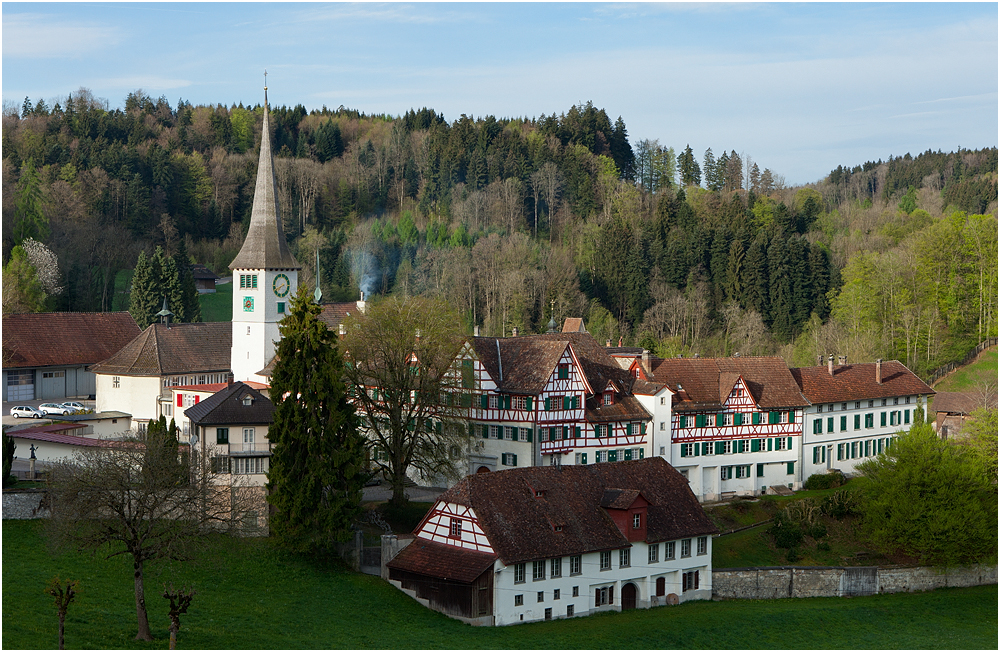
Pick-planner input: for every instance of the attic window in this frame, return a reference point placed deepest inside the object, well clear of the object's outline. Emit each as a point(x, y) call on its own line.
point(636, 521)
point(558, 529)
point(563, 371)
point(609, 397)
point(248, 400)
point(539, 494)
point(738, 392)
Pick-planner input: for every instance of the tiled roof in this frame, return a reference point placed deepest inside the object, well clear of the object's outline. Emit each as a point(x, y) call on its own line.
point(226, 407)
point(442, 561)
point(852, 382)
point(59, 438)
point(624, 408)
point(599, 367)
point(519, 365)
point(336, 313)
point(573, 325)
point(215, 387)
point(265, 246)
point(959, 402)
point(200, 272)
point(179, 349)
point(64, 338)
point(706, 382)
point(520, 527)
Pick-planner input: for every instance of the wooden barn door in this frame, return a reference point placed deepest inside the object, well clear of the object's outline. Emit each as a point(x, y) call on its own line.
point(628, 596)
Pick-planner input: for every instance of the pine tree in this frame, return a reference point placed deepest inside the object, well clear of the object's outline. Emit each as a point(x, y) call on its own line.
point(145, 299)
point(185, 279)
point(711, 170)
point(316, 470)
point(29, 216)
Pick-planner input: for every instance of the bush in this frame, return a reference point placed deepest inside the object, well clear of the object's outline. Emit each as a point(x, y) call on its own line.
point(824, 480)
point(823, 545)
point(840, 504)
point(792, 554)
point(786, 532)
point(817, 531)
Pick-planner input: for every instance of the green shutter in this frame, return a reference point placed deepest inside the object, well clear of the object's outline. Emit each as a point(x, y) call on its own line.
point(906, 416)
point(484, 401)
point(791, 468)
point(548, 404)
point(486, 432)
point(513, 459)
point(789, 443)
point(829, 424)
point(682, 422)
point(815, 454)
point(773, 417)
point(578, 432)
point(642, 453)
point(857, 422)
point(755, 419)
point(527, 403)
point(760, 470)
point(628, 429)
point(843, 423)
point(739, 446)
point(531, 434)
point(718, 418)
point(840, 452)
point(791, 416)
point(817, 426)
point(612, 455)
point(882, 419)
point(754, 445)
point(699, 421)
point(683, 450)
point(704, 447)
point(628, 454)
point(583, 458)
point(770, 443)
point(472, 430)
point(738, 419)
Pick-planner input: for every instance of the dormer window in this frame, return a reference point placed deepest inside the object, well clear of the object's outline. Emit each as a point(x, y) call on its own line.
point(539, 494)
point(609, 397)
point(456, 528)
point(636, 521)
point(247, 400)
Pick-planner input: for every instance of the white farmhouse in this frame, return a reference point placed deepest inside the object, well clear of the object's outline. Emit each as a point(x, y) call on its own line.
point(550, 542)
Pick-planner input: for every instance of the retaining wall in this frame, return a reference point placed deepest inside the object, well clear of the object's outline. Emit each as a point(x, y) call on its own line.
point(24, 504)
point(810, 582)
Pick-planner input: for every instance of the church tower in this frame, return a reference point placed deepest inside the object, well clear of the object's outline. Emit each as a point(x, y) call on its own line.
point(265, 274)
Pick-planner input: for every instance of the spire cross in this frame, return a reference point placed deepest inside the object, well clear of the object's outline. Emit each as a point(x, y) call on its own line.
point(265, 79)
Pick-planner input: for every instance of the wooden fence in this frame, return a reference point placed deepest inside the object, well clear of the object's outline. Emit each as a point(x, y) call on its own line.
point(951, 366)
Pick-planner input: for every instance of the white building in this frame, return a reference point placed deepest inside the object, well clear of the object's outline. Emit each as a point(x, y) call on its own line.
point(557, 542)
point(856, 410)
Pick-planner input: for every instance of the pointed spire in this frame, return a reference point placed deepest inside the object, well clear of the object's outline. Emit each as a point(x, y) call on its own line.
point(265, 246)
point(165, 313)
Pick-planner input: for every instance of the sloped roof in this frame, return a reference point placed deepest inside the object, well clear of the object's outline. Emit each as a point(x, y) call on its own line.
point(852, 382)
point(64, 338)
point(226, 407)
point(443, 561)
point(519, 526)
point(707, 382)
point(624, 408)
point(265, 246)
point(200, 272)
point(179, 349)
point(599, 367)
point(519, 365)
point(574, 325)
point(956, 402)
point(334, 314)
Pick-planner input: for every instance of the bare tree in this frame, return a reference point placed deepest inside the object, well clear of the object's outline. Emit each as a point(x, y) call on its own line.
point(63, 593)
point(180, 600)
point(136, 496)
point(551, 182)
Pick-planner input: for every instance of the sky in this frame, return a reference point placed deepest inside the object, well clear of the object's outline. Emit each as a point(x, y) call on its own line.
point(799, 88)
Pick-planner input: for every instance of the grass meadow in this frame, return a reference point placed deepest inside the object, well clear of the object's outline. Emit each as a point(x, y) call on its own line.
point(251, 595)
point(966, 378)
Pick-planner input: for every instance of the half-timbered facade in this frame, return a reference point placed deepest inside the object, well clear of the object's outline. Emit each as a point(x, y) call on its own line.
point(556, 542)
point(856, 410)
point(736, 423)
point(550, 399)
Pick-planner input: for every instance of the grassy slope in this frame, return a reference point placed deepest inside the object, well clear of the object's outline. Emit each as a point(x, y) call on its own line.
point(219, 305)
point(252, 596)
point(965, 378)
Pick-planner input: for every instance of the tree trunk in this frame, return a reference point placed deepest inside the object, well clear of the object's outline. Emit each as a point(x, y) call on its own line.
point(140, 606)
point(62, 629)
point(173, 635)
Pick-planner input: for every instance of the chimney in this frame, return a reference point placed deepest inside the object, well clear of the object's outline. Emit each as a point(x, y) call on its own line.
point(607, 343)
point(229, 380)
point(842, 360)
point(619, 342)
point(514, 332)
point(645, 360)
point(361, 303)
point(878, 371)
point(829, 364)
point(475, 330)
point(341, 330)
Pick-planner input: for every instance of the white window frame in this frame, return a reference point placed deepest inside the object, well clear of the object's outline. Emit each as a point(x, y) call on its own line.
point(606, 560)
point(538, 570)
point(654, 553)
point(625, 558)
point(576, 565)
point(702, 545)
point(555, 567)
point(685, 548)
point(669, 550)
point(519, 573)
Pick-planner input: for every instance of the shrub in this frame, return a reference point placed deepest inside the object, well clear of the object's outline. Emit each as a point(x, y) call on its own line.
point(840, 504)
point(787, 533)
point(792, 554)
point(817, 531)
point(823, 545)
point(824, 480)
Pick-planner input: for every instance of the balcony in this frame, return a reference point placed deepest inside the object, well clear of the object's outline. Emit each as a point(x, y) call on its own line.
point(251, 449)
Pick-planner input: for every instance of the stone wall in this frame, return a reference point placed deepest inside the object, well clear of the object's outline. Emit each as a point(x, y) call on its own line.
point(810, 582)
point(24, 504)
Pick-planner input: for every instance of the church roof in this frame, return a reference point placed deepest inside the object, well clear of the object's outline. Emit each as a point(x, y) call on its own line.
point(179, 349)
point(64, 338)
point(265, 246)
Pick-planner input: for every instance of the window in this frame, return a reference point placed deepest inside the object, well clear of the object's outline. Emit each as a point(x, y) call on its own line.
point(556, 567)
point(743, 471)
point(508, 459)
point(654, 553)
point(576, 591)
point(702, 545)
point(569, 611)
point(509, 433)
point(687, 450)
point(495, 432)
point(636, 521)
point(791, 468)
point(518, 573)
point(726, 472)
point(907, 400)
point(668, 550)
point(116, 381)
point(870, 419)
point(556, 594)
point(248, 436)
point(538, 570)
point(727, 419)
point(780, 444)
point(541, 596)
point(663, 400)
point(685, 547)
point(249, 465)
point(817, 426)
point(784, 417)
point(563, 371)
point(524, 434)
point(493, 401)
point(689, 581)
point(884, 402)
point(625, 557)
point(281, 307)
point(727, 448)
point(575, 565)
point(220, 464)
point(663, 425)
point(456, 528)
point(606, 560)
point(608, 397)
point(519, 600)
point(604, 595)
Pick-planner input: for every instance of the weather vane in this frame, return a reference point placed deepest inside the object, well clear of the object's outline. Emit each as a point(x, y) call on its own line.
point(265, 79)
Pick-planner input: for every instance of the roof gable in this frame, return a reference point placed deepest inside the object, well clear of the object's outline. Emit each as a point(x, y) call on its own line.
point(228, 407)
point(852, 382)
point(706, 383)
point(178, 349)
point(64, 338)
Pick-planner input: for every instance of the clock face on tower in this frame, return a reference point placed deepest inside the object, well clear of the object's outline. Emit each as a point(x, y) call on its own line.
point(281, 285)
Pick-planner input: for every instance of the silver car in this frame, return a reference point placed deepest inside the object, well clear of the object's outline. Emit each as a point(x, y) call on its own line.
point(54, 408)
point(75, 406)
point(25, 411)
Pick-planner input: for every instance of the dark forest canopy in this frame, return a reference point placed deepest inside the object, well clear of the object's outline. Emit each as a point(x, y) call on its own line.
point(517, 220)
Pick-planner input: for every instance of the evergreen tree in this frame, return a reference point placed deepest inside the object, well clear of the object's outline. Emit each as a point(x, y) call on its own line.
point(29, 216)
point(711, 170)
point(688, 168)
point(145, 299)
point(781, 294)
point(316, 469)
point(755, 278)
point(188, 291)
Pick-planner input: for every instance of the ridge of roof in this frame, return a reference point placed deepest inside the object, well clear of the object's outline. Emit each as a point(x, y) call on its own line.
point(219, 409)
point(857, 381)
point(178, 349)
point(64, 338)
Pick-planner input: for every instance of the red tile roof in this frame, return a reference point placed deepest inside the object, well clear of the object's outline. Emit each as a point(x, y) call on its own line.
point(707, 382)
point(337, 313)
point(179, 349)
point(60, 437)
point(519, 526)
point(853, 382)
point(216, 387)
point(64, 338)
point(442, 561)
point(960, 402)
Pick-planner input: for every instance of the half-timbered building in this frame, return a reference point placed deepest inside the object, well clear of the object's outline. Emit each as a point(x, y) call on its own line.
point(551, 399)
point(736, 423)
point(856, 410)
point(540, 543)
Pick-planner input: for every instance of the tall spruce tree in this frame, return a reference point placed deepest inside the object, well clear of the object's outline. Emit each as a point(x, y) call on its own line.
point(145, 299)
point(188, 291)
point(316, 477)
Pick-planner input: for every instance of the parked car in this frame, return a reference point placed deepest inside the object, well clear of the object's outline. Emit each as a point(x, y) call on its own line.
point(25, 411)
point(75, 406)
point(54, 408)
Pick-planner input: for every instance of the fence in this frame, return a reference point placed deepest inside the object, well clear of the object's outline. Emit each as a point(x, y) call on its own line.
point(774, 582)
point(951, 366)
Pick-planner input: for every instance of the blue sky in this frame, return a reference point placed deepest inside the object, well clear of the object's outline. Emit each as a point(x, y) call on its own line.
point(800, 88)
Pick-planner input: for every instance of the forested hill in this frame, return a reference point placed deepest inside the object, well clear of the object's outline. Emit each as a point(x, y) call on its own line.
point(516, 220)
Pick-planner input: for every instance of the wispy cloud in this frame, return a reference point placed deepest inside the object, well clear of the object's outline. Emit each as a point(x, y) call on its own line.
point(46, 36)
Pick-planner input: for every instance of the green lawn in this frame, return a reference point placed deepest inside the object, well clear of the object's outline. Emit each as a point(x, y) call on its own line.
point(253, 596)
point(967, 377)
point(217, 306)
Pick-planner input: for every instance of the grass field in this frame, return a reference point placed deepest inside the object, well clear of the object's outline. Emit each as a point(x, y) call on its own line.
point(218, 306)
point(967, 377)
point(253, 596)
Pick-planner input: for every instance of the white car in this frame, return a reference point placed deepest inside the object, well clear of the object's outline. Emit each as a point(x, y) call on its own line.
point(54, 408)
point(75, 406)
point(25, 411)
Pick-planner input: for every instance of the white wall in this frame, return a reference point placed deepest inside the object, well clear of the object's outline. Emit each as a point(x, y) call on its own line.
point(135, 395)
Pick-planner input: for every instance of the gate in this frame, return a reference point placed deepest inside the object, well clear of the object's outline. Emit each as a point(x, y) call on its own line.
point(859, 581)
point(628, 597)
point(371, 560)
